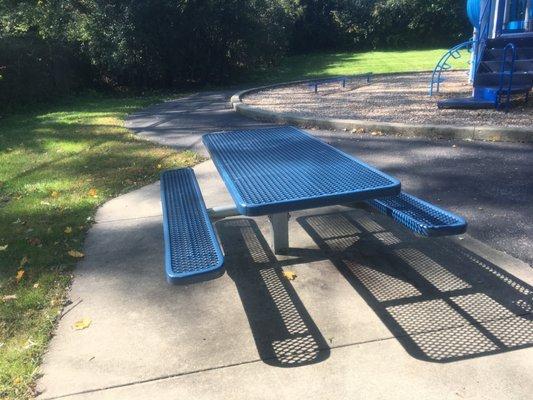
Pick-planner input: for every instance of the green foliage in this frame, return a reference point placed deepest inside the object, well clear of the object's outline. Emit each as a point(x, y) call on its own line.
point(370, 24)
point(56, 167)
point(52, 47)
point(168, 42)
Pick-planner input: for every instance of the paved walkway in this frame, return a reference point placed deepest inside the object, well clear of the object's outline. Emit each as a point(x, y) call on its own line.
point(488, 183)
point(374, 312)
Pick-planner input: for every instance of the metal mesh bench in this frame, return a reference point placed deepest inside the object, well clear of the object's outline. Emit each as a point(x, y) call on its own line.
point(192, 251)
point(419, 216)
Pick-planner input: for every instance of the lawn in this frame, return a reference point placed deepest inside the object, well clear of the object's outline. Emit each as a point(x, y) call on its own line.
point(56, 167)
point(334, 64)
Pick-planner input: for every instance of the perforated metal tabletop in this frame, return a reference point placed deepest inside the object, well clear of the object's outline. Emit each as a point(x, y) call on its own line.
point(283, 169)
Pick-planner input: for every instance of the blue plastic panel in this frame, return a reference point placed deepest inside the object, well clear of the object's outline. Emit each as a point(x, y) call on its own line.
point(191, 245)
point(419, 216)
point(283, 169)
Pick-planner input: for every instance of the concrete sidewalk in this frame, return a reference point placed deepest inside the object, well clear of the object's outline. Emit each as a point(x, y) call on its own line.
point(374, 313)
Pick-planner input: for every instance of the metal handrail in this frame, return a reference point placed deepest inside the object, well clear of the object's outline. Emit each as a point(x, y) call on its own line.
point(443, 65)
point(482, 34)
point(503, 73)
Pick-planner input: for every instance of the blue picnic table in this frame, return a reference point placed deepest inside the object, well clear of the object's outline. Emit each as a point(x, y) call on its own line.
point(275, 170)
point(271, 172)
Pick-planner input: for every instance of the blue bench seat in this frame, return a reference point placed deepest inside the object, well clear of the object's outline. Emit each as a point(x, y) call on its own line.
point(419, 216)
point(192, 251)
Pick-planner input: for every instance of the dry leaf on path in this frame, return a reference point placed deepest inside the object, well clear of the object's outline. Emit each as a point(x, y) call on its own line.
point(76, 254)
point(82, 324)
point(289, 275)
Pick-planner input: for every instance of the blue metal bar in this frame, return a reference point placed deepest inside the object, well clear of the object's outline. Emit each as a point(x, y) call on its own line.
point(483, 35)
point(508, 47)
point(443, 65)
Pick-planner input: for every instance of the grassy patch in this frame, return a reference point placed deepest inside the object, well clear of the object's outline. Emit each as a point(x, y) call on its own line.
point(334, 64)
point(56, 168)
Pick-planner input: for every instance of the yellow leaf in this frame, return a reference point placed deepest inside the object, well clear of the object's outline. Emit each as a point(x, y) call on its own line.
point(23, 262)
point(76, 254)
point(55, 194)
point(17, 381)
point(159, 166)
point(3, 248)
point(289, 275)
point(35, 285)
point(8, 297)
point(68, 230)
point(20, 275)
point(82, 324)
point(92, 192)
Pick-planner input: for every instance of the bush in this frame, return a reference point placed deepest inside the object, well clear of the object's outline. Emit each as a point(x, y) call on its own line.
point(165, 43)
point(370, 24)
point(52, 47)
point(32, 70)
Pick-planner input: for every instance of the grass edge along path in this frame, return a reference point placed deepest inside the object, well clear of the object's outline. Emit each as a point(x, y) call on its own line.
point(57, 166)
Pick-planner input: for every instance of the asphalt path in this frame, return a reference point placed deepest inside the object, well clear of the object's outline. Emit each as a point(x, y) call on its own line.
point(490, 184)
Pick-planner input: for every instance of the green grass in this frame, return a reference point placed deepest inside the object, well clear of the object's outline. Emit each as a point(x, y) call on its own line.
point(56, 167)
point(334, 64)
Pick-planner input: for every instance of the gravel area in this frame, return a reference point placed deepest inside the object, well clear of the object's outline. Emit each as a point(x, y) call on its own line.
point(393, 98)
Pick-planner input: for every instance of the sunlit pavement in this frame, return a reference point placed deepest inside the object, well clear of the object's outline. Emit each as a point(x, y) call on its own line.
point(374, 312)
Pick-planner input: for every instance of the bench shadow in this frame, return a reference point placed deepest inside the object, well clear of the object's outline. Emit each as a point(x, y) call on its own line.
point(441, 301)
point(284, 332)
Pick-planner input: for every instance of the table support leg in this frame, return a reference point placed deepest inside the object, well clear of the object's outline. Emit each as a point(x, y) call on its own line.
point(280, 232)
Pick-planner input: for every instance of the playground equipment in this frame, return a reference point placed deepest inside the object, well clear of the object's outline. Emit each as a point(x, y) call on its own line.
point(501, 63)
point(341, 79)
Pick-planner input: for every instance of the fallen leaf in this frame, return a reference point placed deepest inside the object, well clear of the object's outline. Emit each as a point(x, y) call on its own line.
point(8, 297)
point(159, 166)
point(289, 275)
point(35, 285)
point(3, 248)
point(55, 194)
point(68, 230)
point(20, 275)
point(76, 254)
point(92, 192)
point(45, 203)
point(25, 260)
point(17, 381)
point(82, 324)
